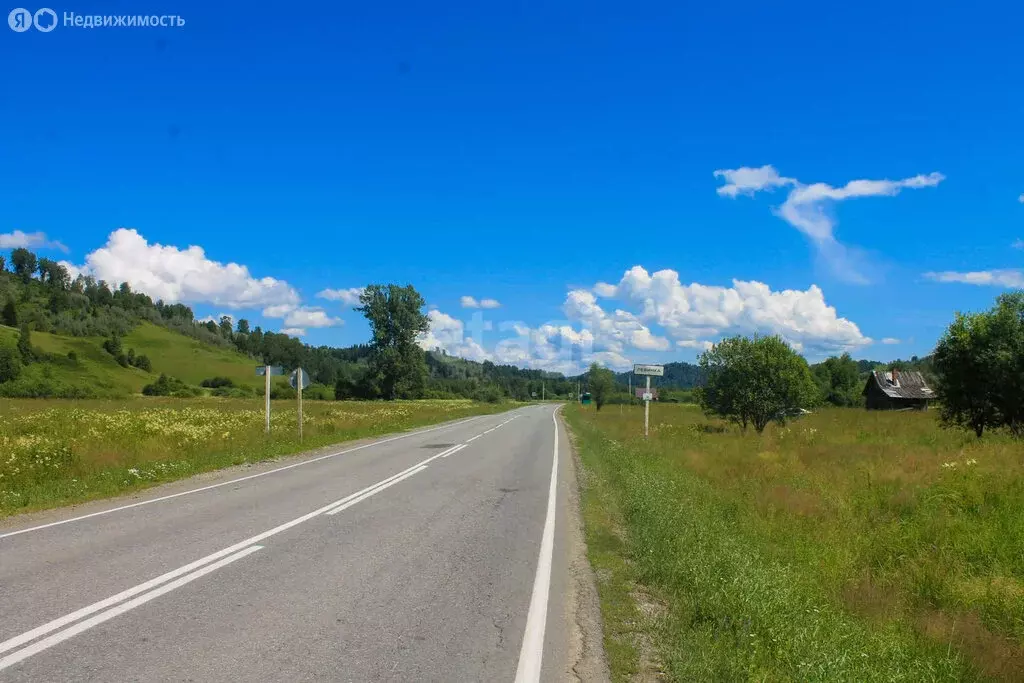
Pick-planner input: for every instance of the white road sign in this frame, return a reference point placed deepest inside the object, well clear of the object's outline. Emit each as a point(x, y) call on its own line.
point(292, 379)
point(648, 396)
point(650, 370)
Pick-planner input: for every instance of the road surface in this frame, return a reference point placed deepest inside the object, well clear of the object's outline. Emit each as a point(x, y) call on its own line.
point(438, 555)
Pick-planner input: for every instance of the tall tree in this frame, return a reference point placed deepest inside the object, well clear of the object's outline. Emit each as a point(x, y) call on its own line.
point(396, 319)
point(243, 326)
point(602, 383)
point(980, 362)
point(24, 262)
point(225, 326)
point(838, 380)
point(755, 381)
point(9, 316)
point(25, 344)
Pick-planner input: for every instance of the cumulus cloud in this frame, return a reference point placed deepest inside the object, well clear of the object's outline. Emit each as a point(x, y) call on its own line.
point(747, 180)
point(294, 331)
point(1010, 277)
point(29, 240)
point(449, 334)
point(310, 317)
point(612, 331)
point(349, 297)
point(1018, 244)
point(890, 340)
point(695, 312)
point(807, 208)
point(183, 275)
point(1021, 198)
point(212, 319)
point(470, 302)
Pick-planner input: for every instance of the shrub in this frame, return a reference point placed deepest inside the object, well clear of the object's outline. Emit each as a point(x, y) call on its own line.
point(10, 364)
point(142, 363)
point(72, 356)
point(217, 382)
point(170, 386)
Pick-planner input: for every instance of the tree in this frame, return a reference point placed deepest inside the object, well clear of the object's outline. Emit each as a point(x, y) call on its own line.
point(838, 380)
point(396, 319)
point(24, 262)
point(3, 264)
point(113, 345)
point(225, 326)
point(243, 326)
point(10, 364)
point(755, 381)
point(25, 344)
point(9, 316)
point(602, 384)
point(980, 363)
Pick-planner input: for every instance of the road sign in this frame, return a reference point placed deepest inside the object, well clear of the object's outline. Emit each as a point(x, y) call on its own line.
point(649, 370)
point(261, 370)
point(640, 391)
point(647, 396)
point(294, 376)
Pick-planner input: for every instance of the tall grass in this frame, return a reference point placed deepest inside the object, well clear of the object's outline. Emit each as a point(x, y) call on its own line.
point(57, 452)
point(845, 546)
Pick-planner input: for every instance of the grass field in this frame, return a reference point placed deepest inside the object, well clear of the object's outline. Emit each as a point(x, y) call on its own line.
point(58, 452)
point(170, 352)
point(847, 545)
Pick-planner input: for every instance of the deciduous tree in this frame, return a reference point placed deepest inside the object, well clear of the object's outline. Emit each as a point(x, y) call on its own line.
point(396, 318)
point(602, 384)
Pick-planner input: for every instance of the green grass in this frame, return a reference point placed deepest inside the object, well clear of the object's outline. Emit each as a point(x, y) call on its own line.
point(170, 352)
point(846, 546)
point(56, 452)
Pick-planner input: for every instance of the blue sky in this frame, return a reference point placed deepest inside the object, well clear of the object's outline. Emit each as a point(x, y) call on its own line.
point(525, 154)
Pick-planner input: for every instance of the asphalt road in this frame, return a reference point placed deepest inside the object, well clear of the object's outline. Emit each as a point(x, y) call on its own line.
point(434, 556)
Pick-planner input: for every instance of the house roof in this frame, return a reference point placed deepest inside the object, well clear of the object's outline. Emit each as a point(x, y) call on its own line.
point(909, 384)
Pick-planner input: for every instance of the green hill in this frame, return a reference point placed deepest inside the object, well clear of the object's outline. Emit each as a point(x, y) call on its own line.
point(95, 371)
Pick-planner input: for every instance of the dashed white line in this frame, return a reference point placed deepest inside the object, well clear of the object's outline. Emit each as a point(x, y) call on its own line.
point(531, 656)
point(474, 438)
point(235, 481)
point(375, 491)
point(454, 451)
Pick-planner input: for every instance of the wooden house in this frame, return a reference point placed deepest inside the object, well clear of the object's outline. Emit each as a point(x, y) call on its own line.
point(897, 390)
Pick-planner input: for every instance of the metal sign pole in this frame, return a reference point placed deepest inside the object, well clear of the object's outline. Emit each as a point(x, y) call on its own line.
point(647, 404)
point(267, 400)
point(299, 384)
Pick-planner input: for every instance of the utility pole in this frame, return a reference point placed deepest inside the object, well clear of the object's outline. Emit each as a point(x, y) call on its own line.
point(267, 400)
point(647, 405)
point(543, 396)
point(630, 387)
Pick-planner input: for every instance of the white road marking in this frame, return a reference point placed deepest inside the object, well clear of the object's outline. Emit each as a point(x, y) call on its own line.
point(490, 430)
point(346, 502)
point(61, 636)
point(531, 656)
point(474, 438)
point(377, 490)
point(235, 481)
point(454, 451)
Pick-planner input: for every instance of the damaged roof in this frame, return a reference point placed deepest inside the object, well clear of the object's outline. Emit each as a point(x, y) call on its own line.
point(908, 384)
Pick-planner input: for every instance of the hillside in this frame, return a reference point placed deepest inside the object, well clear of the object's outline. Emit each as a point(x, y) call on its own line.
point(94, 371)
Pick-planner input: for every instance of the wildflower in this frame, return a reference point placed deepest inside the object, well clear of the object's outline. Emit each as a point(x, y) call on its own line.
point(949, 465)
point(972, 461)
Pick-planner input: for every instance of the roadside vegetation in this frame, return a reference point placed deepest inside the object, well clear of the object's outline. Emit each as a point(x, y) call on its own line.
point(845, 545)
point(54, 453)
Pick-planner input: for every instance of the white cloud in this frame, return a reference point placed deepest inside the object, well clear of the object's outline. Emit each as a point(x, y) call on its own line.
point(1021, 198)
point(183, 275)
point(890, 340)
point(349, 297)
point(612, 332)
point(1018, 244)
point(294, 331)
point(700, 345)
point(29, 240)
point(212, 319)
point(690, 313)
point(806, 207)
point(605, 290)
point(470, 302)
point(1010, 278)
point(278, 310)
point(747, 180)
point(310, 317)
point(448, 333)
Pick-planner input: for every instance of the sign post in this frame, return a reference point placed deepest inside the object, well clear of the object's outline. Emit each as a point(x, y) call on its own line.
point(299, 380)
point(649, 371)
point(267, 371)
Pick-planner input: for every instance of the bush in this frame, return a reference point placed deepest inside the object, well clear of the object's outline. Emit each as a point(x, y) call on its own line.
point(488, 394)
point(170, 386)
point(113, 346)
point(10, 364)
point(217, 382)
point(72, 356)
point(282, 391)
point(142, 363)
point(234, 392)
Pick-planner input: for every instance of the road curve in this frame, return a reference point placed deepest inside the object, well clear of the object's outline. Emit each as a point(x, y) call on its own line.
point(439, 555)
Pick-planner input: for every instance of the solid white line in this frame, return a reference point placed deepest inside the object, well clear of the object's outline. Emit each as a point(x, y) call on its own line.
point(61, 636)
point(490, 430)
point(375, 491)
point(474, 438)
point(454, 451)
point(235, 481)
point(531, 656)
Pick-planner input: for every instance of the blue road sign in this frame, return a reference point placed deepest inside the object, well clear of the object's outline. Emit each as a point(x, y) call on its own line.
point(261, 370)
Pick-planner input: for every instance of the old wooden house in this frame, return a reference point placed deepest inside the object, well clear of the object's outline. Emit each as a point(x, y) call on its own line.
point(897, 390)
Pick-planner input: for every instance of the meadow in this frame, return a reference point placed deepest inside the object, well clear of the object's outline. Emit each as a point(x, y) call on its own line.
point(846, 545)
point(55, 452)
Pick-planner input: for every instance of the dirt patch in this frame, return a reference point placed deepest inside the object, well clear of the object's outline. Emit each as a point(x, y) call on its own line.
point(586, 656)
point(995, 656)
